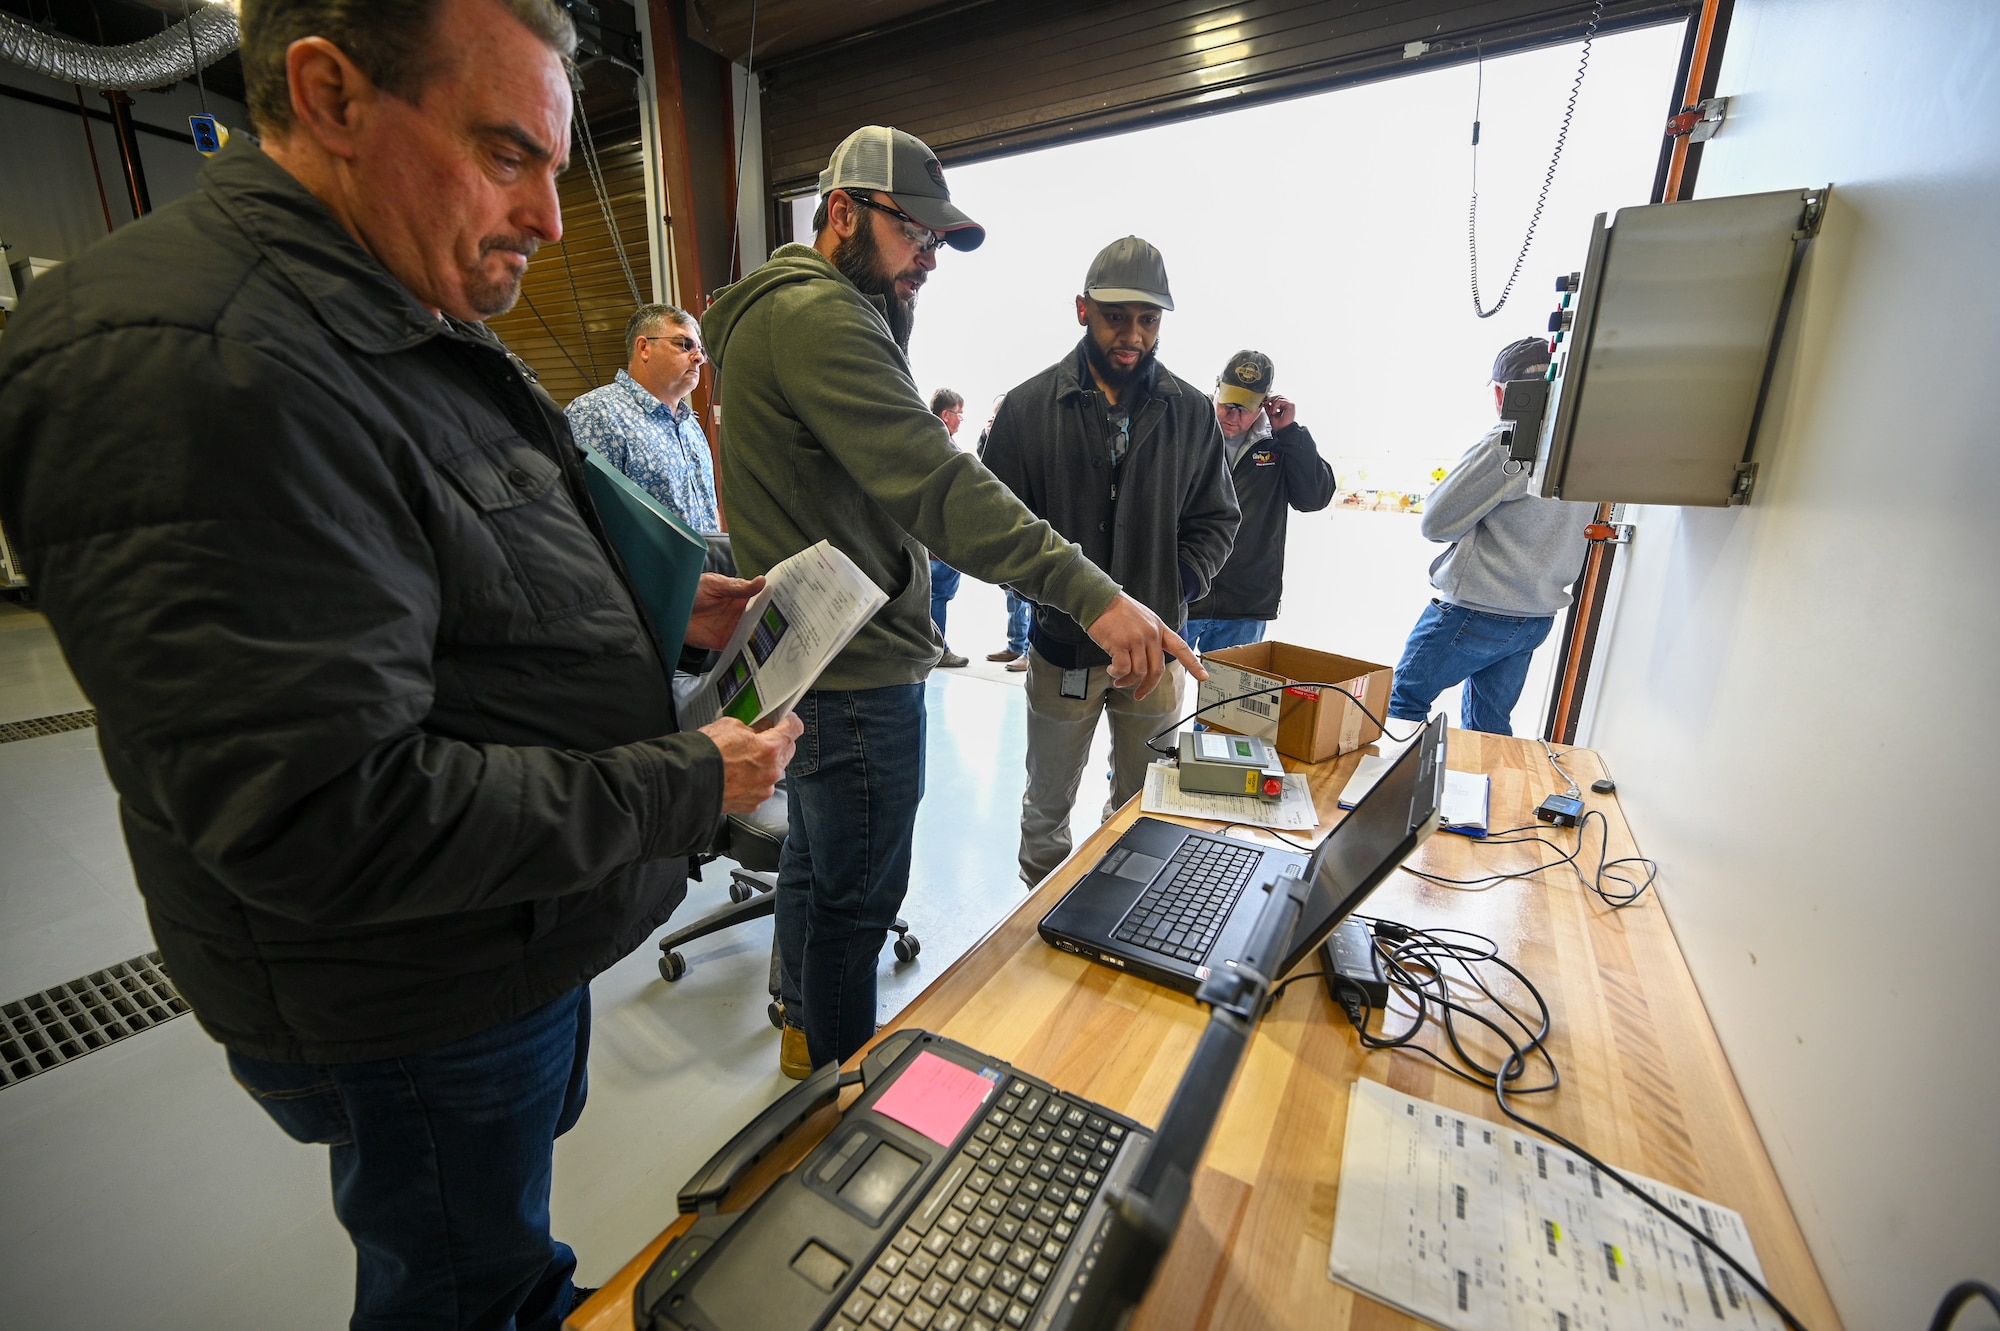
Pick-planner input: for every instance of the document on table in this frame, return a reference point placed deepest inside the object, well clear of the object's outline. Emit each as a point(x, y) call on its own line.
point(1293, 812)
point(1476, 1227)
point(812, 605)
point(1463, 809)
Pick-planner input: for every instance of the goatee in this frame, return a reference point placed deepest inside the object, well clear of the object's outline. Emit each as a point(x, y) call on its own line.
point(1113, 377)
point(859, 260)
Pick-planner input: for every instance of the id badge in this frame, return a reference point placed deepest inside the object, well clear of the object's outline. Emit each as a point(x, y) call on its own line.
point(1074, 684)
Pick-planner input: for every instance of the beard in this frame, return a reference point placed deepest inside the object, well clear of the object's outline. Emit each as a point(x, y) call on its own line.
point(494, 296)
point(1114, 378)
point(859, 260)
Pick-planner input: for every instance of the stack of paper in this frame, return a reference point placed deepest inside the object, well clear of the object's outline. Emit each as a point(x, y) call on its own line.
point(1293, 811)
point(812, 605)
point(1467, 795)
point(1476, 1227)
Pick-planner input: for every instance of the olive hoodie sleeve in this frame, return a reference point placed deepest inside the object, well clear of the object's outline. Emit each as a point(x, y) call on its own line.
point(245, 591)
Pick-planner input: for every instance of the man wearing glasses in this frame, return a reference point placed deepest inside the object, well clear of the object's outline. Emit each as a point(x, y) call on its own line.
point(826, 437)
point(1275, 467)
point(642, 421)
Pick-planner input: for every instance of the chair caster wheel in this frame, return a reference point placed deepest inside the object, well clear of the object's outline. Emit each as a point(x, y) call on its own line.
point(907, 947)
point(776, 1012)
point(740, 892)
point(673, 966)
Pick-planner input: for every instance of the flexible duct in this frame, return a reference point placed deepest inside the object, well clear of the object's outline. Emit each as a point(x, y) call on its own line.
point(167, 57)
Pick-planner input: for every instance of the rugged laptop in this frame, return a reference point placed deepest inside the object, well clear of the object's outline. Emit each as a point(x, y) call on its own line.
point(1174, 905)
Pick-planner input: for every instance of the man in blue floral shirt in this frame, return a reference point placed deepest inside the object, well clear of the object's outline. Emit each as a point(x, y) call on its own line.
point(643, 423)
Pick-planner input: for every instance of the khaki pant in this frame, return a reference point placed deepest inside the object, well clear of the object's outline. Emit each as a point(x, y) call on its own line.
point(1059, 734)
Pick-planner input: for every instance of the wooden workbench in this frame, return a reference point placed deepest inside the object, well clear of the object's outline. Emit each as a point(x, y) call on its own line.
point(1644, 1082)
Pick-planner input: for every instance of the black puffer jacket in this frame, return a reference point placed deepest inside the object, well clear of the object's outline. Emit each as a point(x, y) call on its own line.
point(1161, 530)
point(393, 748)
point(1272, 475)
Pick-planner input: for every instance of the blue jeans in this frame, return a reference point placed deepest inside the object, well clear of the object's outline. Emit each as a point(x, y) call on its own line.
point(854, 784)
point(1019, 612)
point(441, 1168)
point(944, 586)
point(1488, 653)
point(1207, 635)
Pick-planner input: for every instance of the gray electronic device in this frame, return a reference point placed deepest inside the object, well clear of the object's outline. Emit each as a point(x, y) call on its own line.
point(1663, 349)
point(1217, 764)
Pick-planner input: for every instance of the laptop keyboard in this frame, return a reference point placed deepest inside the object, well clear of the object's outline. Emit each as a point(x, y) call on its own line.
point(1018, 1188)
point(1184, 909)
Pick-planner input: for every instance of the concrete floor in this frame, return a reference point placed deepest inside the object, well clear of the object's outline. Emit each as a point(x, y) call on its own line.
point(140, 1186)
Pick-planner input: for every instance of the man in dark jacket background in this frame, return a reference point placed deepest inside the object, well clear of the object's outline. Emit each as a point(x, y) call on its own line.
point(394, 749)
point(1126, 460)
point(1275, 466)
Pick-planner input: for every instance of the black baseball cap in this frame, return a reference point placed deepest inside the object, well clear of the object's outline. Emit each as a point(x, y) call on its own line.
point(1128, 271)
point(876, 157)
point(1526, 359)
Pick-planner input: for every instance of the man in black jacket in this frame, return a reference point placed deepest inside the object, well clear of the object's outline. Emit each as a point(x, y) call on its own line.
point(395, 752)
point(1275, 467)
point(1126, 460)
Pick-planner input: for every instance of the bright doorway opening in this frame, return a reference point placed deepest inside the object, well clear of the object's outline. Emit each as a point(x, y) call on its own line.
point(1329, 232)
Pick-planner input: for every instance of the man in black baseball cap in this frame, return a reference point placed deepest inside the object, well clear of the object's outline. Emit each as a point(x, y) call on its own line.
point(826, 438)
point(1511, 559)
point(1126, 460)
point(1275, 467)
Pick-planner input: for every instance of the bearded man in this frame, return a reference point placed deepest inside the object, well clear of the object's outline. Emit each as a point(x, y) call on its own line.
point(826, 437)
point(1127, 461)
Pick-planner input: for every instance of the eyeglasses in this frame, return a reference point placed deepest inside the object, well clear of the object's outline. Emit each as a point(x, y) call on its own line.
point(925, 239)
point(684, 344)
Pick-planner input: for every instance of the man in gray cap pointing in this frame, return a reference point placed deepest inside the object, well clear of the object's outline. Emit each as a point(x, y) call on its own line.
point(1126, 460)
point(825, 437)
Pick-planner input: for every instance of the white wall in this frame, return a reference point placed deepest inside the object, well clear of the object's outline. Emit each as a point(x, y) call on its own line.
point(1798, 697)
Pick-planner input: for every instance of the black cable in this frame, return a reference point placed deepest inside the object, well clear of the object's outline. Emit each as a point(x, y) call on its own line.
point(1172, 726)
point(1964, 1292)
point(1548, 180)
point(530, 301)
point(1301, 845)
point(601, 190)
point(1595, 883)
point(1416, 961)
point(195, 55)
point(576, 299)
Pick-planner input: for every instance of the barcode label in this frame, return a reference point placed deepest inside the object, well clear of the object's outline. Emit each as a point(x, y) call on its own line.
point(1256, 705)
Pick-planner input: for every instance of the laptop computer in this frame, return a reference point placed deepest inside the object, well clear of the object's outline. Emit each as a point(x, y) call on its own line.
point(1175, 905)
point(959, 1193)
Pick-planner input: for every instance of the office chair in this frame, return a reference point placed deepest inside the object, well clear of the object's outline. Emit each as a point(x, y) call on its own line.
point(752, 840)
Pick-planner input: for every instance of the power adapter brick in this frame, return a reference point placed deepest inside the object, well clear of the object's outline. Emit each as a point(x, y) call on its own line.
point(1353, 967)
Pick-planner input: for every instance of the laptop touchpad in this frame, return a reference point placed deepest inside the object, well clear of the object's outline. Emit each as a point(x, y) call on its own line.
point(1140, 868)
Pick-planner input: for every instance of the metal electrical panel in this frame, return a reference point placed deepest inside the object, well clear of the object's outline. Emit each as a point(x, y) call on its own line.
point(1662, 364)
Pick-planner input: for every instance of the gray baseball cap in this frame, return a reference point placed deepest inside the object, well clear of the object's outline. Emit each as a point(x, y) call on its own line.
point(876, 157)
point(1128, 270)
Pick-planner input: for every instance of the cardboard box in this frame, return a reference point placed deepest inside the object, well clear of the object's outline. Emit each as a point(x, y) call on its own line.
point(1303, 721)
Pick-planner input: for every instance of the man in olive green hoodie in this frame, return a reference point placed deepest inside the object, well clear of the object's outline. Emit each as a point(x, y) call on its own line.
point(826, 437)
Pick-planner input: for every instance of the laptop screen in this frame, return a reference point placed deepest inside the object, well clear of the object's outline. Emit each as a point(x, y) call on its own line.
point(1371, 841)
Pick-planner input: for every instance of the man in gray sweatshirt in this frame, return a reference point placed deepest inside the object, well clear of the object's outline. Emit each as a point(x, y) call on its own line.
point(825, 437)
point(1512, 558)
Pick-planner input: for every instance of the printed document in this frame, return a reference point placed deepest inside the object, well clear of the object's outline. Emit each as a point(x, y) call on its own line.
point(1476, 1227)
point(1293, 811)
point(812, 605)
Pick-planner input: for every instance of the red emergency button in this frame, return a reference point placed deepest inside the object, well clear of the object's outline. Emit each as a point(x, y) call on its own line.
point(1272, 785)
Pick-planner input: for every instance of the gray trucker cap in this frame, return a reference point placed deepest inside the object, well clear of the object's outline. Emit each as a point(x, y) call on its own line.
point(1128, 270)
point(876, 157)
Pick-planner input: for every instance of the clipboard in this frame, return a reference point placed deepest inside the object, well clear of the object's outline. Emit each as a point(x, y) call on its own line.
point(663, 555)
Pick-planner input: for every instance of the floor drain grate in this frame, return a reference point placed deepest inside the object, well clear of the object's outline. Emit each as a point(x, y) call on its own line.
point(51, 1028)
point(39, 726)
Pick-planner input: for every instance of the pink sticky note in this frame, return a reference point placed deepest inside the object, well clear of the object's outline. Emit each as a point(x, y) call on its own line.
point(936, 1096)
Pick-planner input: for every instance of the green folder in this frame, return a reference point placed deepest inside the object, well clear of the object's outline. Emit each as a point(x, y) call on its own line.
point(664, 556)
